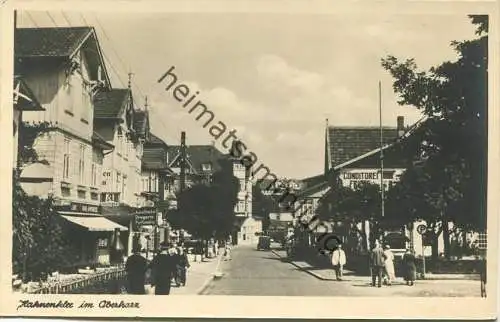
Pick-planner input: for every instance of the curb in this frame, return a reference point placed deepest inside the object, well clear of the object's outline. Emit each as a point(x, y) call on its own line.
point(318, 276)
point(433, 277)
point(209, 279)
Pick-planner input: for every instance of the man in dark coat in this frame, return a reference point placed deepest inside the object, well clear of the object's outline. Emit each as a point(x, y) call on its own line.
point(136, 268)
point(377, 264)
point(182, 263)
point(163, 267)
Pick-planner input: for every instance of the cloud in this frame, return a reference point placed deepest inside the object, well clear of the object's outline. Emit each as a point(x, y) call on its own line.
point(279, 75)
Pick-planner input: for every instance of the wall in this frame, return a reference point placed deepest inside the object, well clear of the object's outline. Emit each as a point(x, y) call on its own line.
point(66, 98)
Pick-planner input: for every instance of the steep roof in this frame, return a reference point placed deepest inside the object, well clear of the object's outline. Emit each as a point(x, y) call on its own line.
point(32, 44)
point(141, 123)
point(198, 155)
point(154, 158)
point(312, 181)
point(108, 104)
point(155, 153)
point(155, 140)
point(347, 143)
point(53, 42)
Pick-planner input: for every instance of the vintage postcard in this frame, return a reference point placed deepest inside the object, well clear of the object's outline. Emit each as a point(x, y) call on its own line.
point(293, 159)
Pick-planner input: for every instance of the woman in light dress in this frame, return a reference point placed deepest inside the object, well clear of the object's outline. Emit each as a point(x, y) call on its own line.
point(390, 276)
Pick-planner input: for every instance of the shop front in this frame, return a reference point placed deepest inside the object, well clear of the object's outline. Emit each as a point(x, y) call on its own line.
point(93, 237)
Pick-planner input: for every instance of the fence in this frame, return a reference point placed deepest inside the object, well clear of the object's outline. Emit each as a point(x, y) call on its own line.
point(110, 281)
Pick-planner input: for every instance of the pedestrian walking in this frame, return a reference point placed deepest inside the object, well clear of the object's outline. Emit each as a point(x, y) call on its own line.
point(182, 266)
point(410, 268)
point(136, 267)
point(174, 252)
point(390, 275)
point(338, 261)
point(377, 264)
point(163, 267)
point(227, 252)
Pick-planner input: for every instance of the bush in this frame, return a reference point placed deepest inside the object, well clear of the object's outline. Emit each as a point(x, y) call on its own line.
point(40, 244)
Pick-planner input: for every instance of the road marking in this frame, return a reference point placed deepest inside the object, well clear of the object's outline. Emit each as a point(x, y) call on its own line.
point(211, 277)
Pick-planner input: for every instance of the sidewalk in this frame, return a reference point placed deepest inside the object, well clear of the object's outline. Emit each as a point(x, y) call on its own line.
point(198, 277)
point(329, 274)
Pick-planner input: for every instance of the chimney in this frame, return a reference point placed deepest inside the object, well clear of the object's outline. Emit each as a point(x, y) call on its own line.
point(401, 125)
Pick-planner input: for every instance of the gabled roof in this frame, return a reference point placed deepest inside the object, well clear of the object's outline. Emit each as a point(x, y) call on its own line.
point(391, 150)
point(109, 104)
point(347, 143)
point(155, 154)
point(312, 181)
point(141, 123)
point(155, 140)
point(197, 155)
point(154, 158)
point(60, 42)
point(53, 42)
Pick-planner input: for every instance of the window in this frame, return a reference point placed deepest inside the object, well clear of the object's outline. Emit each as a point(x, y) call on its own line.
point(94, 175)
point(127, 146)
point(124, 185)
point(206, 167)
point(118, 182)
point(65, 192)
point(120, 141)
point(86, 106)
point(66, 158)
point(81, 165)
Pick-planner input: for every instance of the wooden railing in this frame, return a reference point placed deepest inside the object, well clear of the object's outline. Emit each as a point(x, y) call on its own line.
point(85, 282)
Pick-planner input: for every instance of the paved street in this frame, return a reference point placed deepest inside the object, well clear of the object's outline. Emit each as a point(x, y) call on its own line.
point(261, 273)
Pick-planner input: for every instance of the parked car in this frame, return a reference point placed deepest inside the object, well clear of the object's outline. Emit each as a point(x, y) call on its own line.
point(264, 243)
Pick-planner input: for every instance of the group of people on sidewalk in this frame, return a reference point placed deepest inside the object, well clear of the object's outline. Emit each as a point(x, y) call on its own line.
point(381, 265)
point(171, 263)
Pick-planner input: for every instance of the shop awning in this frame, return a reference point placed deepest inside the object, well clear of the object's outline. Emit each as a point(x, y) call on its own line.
point(94, 223)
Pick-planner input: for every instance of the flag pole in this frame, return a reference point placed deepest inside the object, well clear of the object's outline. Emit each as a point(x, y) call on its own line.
point(382, 188)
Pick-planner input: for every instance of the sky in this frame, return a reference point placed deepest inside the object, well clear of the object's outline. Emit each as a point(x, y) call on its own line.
point(274, 78)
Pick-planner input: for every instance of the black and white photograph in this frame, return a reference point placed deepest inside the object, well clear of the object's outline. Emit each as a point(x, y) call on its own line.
point(163, 154)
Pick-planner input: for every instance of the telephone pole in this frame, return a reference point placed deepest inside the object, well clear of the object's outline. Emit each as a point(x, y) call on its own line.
point(183, 162)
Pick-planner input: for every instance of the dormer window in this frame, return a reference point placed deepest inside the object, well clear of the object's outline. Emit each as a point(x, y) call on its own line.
point(206, 167)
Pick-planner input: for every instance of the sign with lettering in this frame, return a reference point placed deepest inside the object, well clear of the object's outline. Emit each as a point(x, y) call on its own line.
point(145, 219)
point(79, 207)
point(354, 178)
point(372, 175)
point(145, 216)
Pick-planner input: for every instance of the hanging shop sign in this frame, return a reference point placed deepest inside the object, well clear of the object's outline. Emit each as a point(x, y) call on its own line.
point(80, 207)
point(145, 216)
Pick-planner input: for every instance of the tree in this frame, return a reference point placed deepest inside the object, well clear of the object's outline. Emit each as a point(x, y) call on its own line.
point(28, 134)
point(353, 207)
point(451, 146)
point(40, 244)
point(207, 209)
point(262, 206)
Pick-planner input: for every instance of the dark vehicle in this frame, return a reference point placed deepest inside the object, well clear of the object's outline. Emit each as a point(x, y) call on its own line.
point(264, 243)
